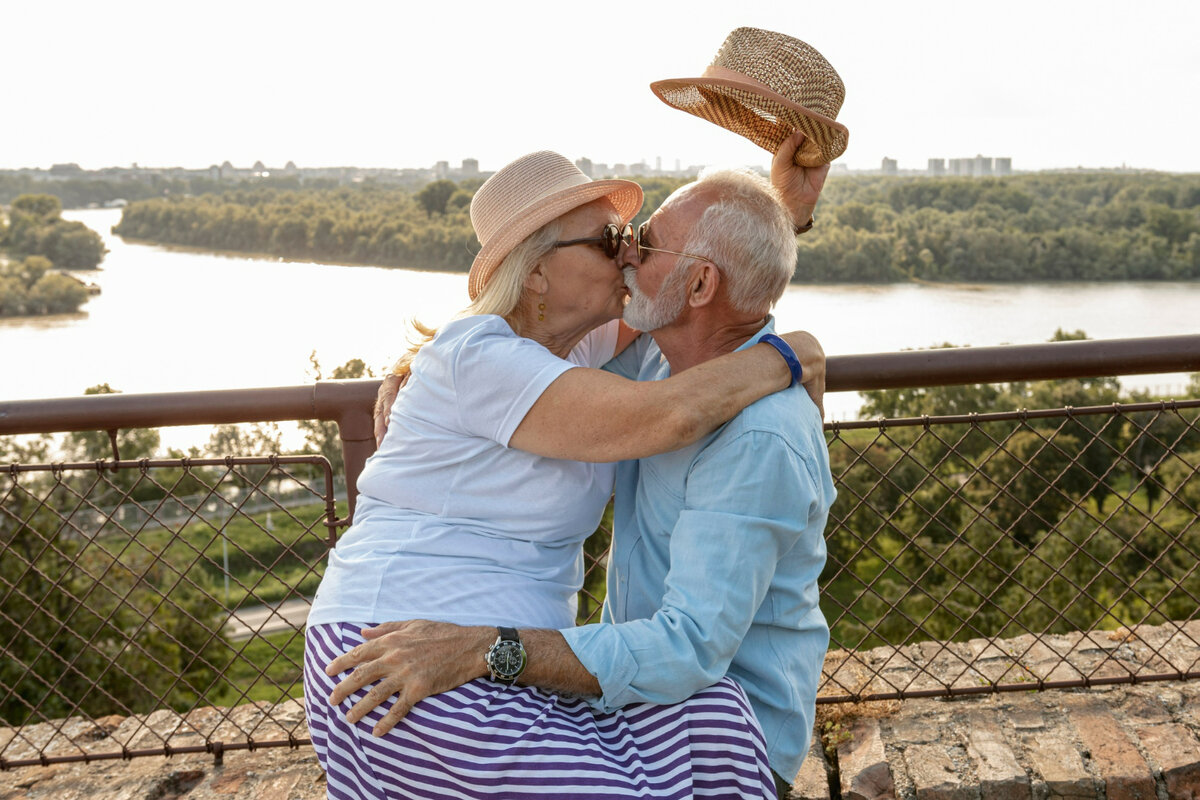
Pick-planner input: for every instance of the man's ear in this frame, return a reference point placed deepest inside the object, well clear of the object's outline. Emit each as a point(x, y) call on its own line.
point(704, 284)
point(536, 280)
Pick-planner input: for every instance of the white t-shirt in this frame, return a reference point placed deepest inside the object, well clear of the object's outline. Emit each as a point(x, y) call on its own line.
point(451, 524)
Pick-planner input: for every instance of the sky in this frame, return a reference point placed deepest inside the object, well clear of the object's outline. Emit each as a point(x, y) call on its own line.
point(1053, 83)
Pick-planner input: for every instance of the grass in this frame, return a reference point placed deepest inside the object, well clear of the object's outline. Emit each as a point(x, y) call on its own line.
point(266, 668)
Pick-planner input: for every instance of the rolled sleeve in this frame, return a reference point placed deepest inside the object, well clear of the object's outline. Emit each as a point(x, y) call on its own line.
point(747, 503)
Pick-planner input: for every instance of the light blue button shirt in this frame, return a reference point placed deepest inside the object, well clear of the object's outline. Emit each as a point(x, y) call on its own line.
point(716, 553)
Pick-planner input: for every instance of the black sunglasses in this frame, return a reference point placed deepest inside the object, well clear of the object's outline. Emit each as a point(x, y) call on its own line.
point(612, 237)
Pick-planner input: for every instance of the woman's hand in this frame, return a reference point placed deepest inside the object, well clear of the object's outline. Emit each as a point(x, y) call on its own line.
point(389, 387)
point(799, 186)
point(410, 660)
point(812, 361)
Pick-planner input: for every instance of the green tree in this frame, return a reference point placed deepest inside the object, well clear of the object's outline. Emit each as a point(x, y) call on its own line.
point(56, 294)
point(93, 620)
point(42, 207)
point(321, 436)
point(434, 196)
point(28, 287)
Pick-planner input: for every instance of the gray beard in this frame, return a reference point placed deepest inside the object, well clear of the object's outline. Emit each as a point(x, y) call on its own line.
point(644, 313)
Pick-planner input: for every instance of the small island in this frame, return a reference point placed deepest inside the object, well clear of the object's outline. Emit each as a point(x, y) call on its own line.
point(35, 241)
point(1029, 228)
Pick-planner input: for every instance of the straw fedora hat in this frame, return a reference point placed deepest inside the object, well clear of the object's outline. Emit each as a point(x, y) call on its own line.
point(525, 195)
point(765, 85)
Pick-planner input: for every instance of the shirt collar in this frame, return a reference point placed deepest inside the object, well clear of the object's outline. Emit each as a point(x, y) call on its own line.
point(763, 331)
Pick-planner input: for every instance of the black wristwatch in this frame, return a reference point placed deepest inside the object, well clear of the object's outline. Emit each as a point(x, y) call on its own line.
point(806, 227)
point(506, 659)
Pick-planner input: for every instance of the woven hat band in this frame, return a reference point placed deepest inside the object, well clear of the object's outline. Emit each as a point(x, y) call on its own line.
point(765, 86)
point(733, 76)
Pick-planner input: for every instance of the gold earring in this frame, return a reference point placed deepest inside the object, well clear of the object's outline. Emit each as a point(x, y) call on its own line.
point(541, 308)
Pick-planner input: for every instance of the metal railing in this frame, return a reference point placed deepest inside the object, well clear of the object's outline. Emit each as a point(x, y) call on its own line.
point(1011, 551)
point(970, 553)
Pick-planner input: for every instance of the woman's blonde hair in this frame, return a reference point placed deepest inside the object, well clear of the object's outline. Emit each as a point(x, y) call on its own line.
point(500, 295)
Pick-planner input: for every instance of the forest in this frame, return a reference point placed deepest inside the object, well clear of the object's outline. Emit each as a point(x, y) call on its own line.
point(870, 229)
point(34, 242)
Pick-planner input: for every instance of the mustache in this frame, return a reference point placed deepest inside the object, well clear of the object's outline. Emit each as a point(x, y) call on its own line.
point(630, 276)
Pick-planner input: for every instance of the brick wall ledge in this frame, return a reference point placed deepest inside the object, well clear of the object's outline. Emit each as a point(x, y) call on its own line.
point(1122, 742)
point(1108, 743)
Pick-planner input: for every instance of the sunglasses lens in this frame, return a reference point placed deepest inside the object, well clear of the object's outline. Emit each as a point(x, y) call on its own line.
point(612, 240)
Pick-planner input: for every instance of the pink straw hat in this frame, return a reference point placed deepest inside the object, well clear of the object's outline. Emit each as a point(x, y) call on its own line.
point(525, 195)
point(764, 85)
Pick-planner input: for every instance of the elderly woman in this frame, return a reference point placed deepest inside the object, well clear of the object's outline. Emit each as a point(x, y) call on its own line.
point(496, 466)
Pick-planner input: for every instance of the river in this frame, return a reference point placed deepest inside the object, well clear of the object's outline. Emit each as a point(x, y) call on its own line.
point(169, 320)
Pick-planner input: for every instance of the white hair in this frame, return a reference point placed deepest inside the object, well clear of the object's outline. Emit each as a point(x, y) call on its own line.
point(748, 234)
point(502, 292)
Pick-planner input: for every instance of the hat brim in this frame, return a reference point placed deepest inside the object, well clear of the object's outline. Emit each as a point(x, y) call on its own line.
point(754, 111)
point(626, 196)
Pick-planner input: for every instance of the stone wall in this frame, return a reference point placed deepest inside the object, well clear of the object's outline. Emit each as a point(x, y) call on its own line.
point(1112, 743)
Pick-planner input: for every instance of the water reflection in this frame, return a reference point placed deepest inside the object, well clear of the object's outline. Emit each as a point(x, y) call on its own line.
point(170, 320)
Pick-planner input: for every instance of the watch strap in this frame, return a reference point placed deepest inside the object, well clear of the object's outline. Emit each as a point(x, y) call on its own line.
point(507, 638)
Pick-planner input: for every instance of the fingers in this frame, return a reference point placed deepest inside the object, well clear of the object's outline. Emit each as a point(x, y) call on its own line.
point(816, 390)
point(786, 154)
point(389, 387)
point(349, 685)
point(377, 695)
point(381, 426)
point(382, 629)
point(392, 718)
point(351, 658)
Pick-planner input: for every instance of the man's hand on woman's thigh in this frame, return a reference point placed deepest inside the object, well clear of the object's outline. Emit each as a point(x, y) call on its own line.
point(410, 660)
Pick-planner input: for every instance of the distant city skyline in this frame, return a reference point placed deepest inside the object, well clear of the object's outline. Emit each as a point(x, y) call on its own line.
point(382, 84)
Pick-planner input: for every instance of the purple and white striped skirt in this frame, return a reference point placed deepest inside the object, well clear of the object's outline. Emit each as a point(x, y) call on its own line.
point(487, 740)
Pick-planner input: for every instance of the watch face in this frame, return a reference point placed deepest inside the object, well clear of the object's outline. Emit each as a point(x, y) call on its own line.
point(507, 659)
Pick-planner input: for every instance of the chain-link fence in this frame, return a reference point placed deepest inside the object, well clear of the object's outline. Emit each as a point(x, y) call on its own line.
point(157, 607)
point(1010, 551)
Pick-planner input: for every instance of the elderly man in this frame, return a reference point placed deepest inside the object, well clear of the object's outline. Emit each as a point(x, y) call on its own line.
point(716, 547)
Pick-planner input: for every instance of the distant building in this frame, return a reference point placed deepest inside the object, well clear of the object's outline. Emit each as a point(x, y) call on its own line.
point(888, 166)
point(961, 166)
point(290, 168)
point(982, 167)
point(585, 166)
point(1004, 166)
point(470, 167)
point(936, 166)
point(441, 169)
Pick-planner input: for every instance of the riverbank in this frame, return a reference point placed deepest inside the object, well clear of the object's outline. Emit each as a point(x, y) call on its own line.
point(178, 320)
point(872, 229)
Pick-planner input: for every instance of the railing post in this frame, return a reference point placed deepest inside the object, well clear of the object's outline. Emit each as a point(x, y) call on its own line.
point(349, 404)
point(357, 432)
